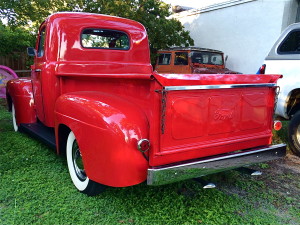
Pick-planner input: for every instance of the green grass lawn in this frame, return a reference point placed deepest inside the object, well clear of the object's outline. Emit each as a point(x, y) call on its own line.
point(35, 188)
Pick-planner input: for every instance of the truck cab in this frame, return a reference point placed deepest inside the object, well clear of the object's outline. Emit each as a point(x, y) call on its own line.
point(94, 97)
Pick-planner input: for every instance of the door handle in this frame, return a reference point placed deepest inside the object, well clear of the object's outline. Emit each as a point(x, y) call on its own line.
point(37, 70)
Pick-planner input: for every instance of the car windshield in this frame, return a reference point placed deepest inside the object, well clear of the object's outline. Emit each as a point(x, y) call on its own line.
point(211, 58)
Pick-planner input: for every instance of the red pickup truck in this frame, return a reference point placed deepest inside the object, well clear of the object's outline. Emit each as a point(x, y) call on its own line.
point(94, 97)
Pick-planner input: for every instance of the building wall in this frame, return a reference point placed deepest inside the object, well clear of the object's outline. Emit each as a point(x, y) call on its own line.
point(245, 30)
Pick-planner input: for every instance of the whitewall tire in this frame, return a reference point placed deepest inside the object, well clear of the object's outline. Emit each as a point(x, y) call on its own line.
point(13, 112)
point(76, 169)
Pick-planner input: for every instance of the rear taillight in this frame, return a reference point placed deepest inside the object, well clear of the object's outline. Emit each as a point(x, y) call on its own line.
point(262, 69)
point(277, 125)
point(143, 145)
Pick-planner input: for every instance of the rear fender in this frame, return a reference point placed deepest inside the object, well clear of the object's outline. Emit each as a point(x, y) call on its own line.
point(19, 92)
point(107, 129)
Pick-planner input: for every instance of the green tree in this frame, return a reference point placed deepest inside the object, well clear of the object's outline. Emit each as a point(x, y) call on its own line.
point(14, 41)
point(153, 14)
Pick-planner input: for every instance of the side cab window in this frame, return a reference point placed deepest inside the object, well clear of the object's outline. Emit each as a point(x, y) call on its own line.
point(41, 45)
point(164, 59)
point(291, 44)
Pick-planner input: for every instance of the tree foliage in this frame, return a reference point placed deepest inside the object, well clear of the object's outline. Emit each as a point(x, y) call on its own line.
point(153, 14)
point(13, 41)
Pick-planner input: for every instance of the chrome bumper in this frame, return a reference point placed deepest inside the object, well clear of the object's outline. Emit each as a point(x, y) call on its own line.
point(176, 172)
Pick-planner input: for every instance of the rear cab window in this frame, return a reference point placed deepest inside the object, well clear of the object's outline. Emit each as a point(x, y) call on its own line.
point(104, 39)
point(207, 58)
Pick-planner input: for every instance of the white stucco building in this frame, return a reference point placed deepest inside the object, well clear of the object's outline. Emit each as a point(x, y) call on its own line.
point(245, 30)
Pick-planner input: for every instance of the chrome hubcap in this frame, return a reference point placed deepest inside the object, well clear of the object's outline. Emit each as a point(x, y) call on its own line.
point(77, 162)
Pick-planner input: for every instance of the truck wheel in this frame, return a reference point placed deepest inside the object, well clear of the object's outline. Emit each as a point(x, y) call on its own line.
point(13, 112)
point(294, 134)
point(76, 169)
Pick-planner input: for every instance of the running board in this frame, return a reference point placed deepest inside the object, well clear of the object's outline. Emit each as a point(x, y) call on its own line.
point(41, 132)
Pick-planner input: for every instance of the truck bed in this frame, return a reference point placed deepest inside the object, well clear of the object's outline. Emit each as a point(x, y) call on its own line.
point(233, 112)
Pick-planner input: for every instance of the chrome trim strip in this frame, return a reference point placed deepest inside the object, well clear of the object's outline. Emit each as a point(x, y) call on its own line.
point(209, 165)
point(201, 87)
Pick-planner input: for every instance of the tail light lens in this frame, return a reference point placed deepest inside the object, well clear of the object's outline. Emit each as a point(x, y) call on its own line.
point(277, 125)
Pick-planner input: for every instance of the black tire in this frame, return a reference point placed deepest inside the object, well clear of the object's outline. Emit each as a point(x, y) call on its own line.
point(294, 134)
point(76, 169)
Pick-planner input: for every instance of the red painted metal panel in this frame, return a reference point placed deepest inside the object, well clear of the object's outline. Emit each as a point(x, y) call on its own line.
point(199, 123)
point(21, 94)
point(213, 79)
point(107, 129)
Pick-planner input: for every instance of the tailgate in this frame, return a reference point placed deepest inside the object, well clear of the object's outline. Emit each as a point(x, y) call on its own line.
point(204, 120)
